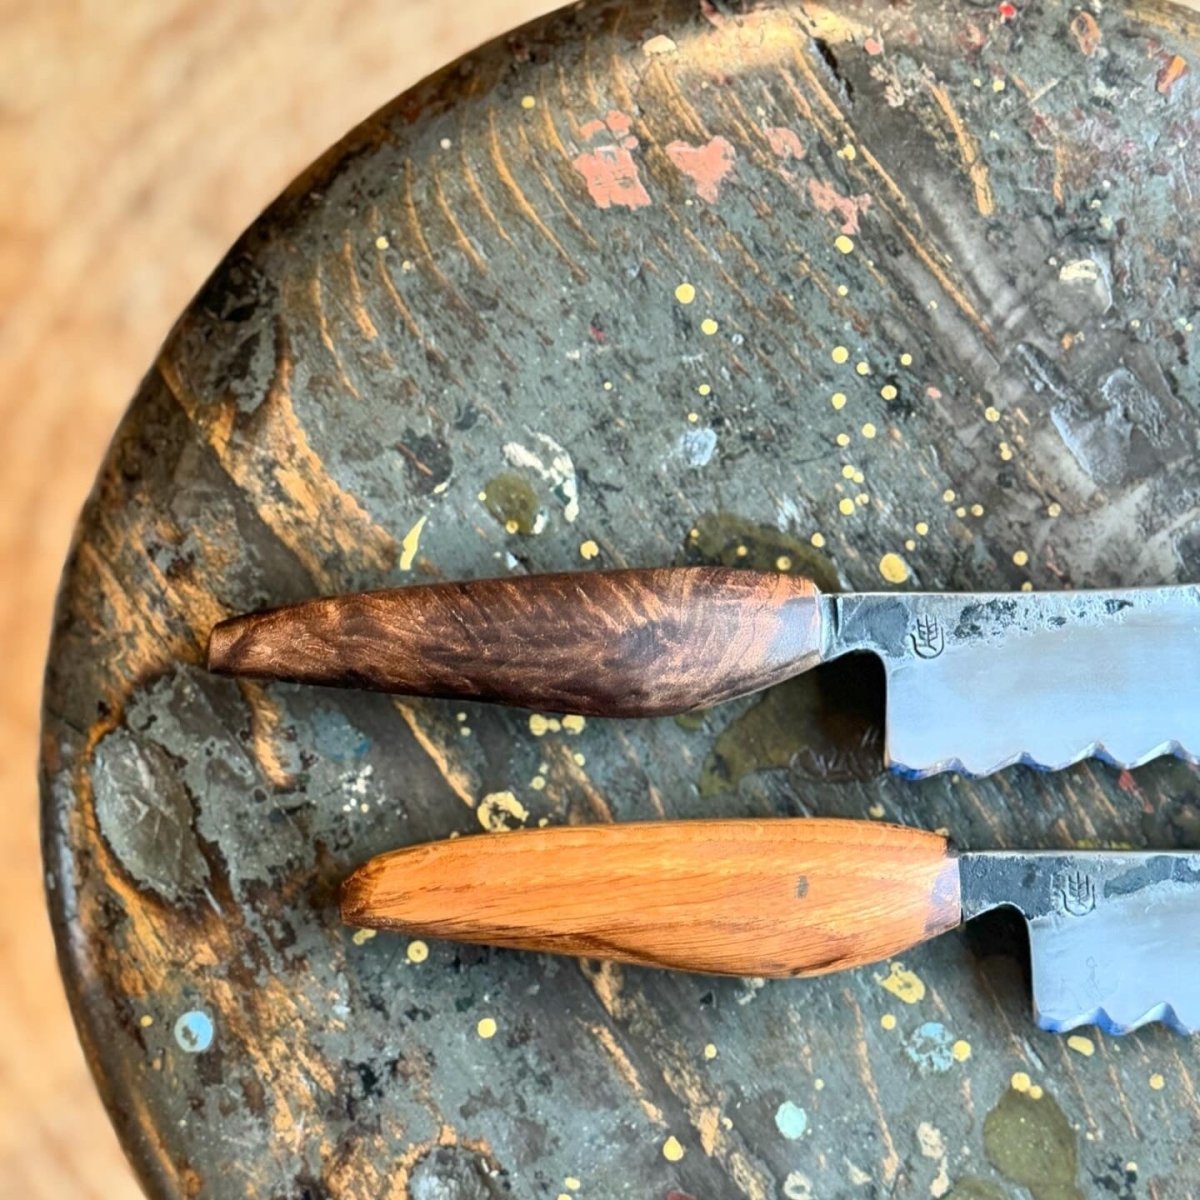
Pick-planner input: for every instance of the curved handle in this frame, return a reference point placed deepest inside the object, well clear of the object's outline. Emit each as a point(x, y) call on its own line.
point(631, 643)
point(776, 897)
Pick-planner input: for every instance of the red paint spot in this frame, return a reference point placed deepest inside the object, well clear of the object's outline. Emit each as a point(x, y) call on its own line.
point(873, 46)
point(609, 169)
point(1007, 11)
point(706, 166)
point(1126, 784)
point(933, 393)
point(784, 142)
point(829, 200)
point(598, 334)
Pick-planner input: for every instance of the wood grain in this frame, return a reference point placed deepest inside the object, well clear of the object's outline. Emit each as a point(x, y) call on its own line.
point(769, 898)
point(137, 142)
point(603, 643)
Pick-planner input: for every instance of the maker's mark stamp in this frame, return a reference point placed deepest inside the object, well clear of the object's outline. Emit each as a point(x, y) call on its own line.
point(1074, 893)
point(928, 638)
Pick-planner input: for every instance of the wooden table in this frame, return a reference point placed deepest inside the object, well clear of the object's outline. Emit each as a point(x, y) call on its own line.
point(891, 297)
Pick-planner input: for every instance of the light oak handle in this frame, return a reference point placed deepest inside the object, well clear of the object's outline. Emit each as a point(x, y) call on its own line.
point(774, 898)
point(633, 643)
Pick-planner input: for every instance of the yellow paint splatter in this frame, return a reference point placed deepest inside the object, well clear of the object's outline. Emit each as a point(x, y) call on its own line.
point(589, 549)
point(538, 782)
point(876, 811)
point(693, 417)
point(922, 528)
point(411, 543)
point(863, 499)
point(840, 354)
point(977, 510)
point(381, 242)
point(948, 495)
point(572, 1183)
point(888, 1022)
point(910, 544)
point(1082, 1045)
point(893, 568)
point(888, 392)
point(362, 936)
point(842, 439)
point(685, 293)
point(906, 360)
point(904, 984)
point(818, 540)
point(672, 1151)
point(539, 726)
point(704, 389)
point(1027, 586)
point(838, 400)
point(1005, 452)
point(710, 1051)
point(961, 1050)
point(497, 809)
point(961, 511)
point(848, 152)
point(863, 368)
point(869, 430)
point(1157, 1082)
point(1020, 1082)
point(847, 472)
point(146, 1021)
point(1020, 558)
point(783, 563)
point(417, 952)
point(998, 85)
point(578, 759)
point(1035, 1092)
point(1054, 510)
point(528, 101)
point(846, 506)
point(574, 723)
point(608, 386)
point(486, 1027)
point(843, 290)
point(991, 414)
point(742, 551)
point(843, 244)
point(708, 326)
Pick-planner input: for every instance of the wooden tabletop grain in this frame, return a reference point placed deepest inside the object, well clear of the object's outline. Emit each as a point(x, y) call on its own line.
point(136, 142)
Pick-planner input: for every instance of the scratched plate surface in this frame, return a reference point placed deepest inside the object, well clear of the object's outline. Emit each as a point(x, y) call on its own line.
point(897, 297)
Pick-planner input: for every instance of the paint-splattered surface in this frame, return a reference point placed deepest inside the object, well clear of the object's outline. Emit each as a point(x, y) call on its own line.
point(892, 298)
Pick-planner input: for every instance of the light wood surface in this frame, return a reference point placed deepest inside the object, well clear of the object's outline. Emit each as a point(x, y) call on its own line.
point(775, 898)
point(137, 141)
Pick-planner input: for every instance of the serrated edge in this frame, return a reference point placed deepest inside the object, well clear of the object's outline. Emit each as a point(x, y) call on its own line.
point(1163, 1012)
point(1173, 747)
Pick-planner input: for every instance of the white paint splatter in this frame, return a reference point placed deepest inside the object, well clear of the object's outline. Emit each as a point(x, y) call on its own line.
point(559, 472)
point(697, 446)
point(933, 1146)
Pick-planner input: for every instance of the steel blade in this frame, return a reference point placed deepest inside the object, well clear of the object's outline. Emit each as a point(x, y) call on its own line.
point(1114, 937)
point(977, 682)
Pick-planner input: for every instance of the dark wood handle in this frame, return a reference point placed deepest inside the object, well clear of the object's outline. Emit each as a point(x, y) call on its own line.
point(776, 897)
point(605, 643)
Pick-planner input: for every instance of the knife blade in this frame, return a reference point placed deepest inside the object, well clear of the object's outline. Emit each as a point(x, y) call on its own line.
point(791, 897)
point(975, 681)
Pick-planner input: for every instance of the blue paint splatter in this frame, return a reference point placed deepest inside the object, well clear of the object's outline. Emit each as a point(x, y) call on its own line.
point(698, 446)
point(791, 1120)
point(194, 1031)
point(931, 1047)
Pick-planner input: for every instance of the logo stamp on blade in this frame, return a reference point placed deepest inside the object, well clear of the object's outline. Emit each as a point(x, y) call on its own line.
point(928, 640)
point(1074, 893)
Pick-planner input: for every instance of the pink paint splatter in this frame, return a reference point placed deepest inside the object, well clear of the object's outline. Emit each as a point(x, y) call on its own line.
point(829, 200)
point(873, 46)
point(784, 142)
point(706, 166)
point(608, 168)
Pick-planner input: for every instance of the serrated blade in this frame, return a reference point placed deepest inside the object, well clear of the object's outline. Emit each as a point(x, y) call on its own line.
point(1114, 937)
point(977, 682)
